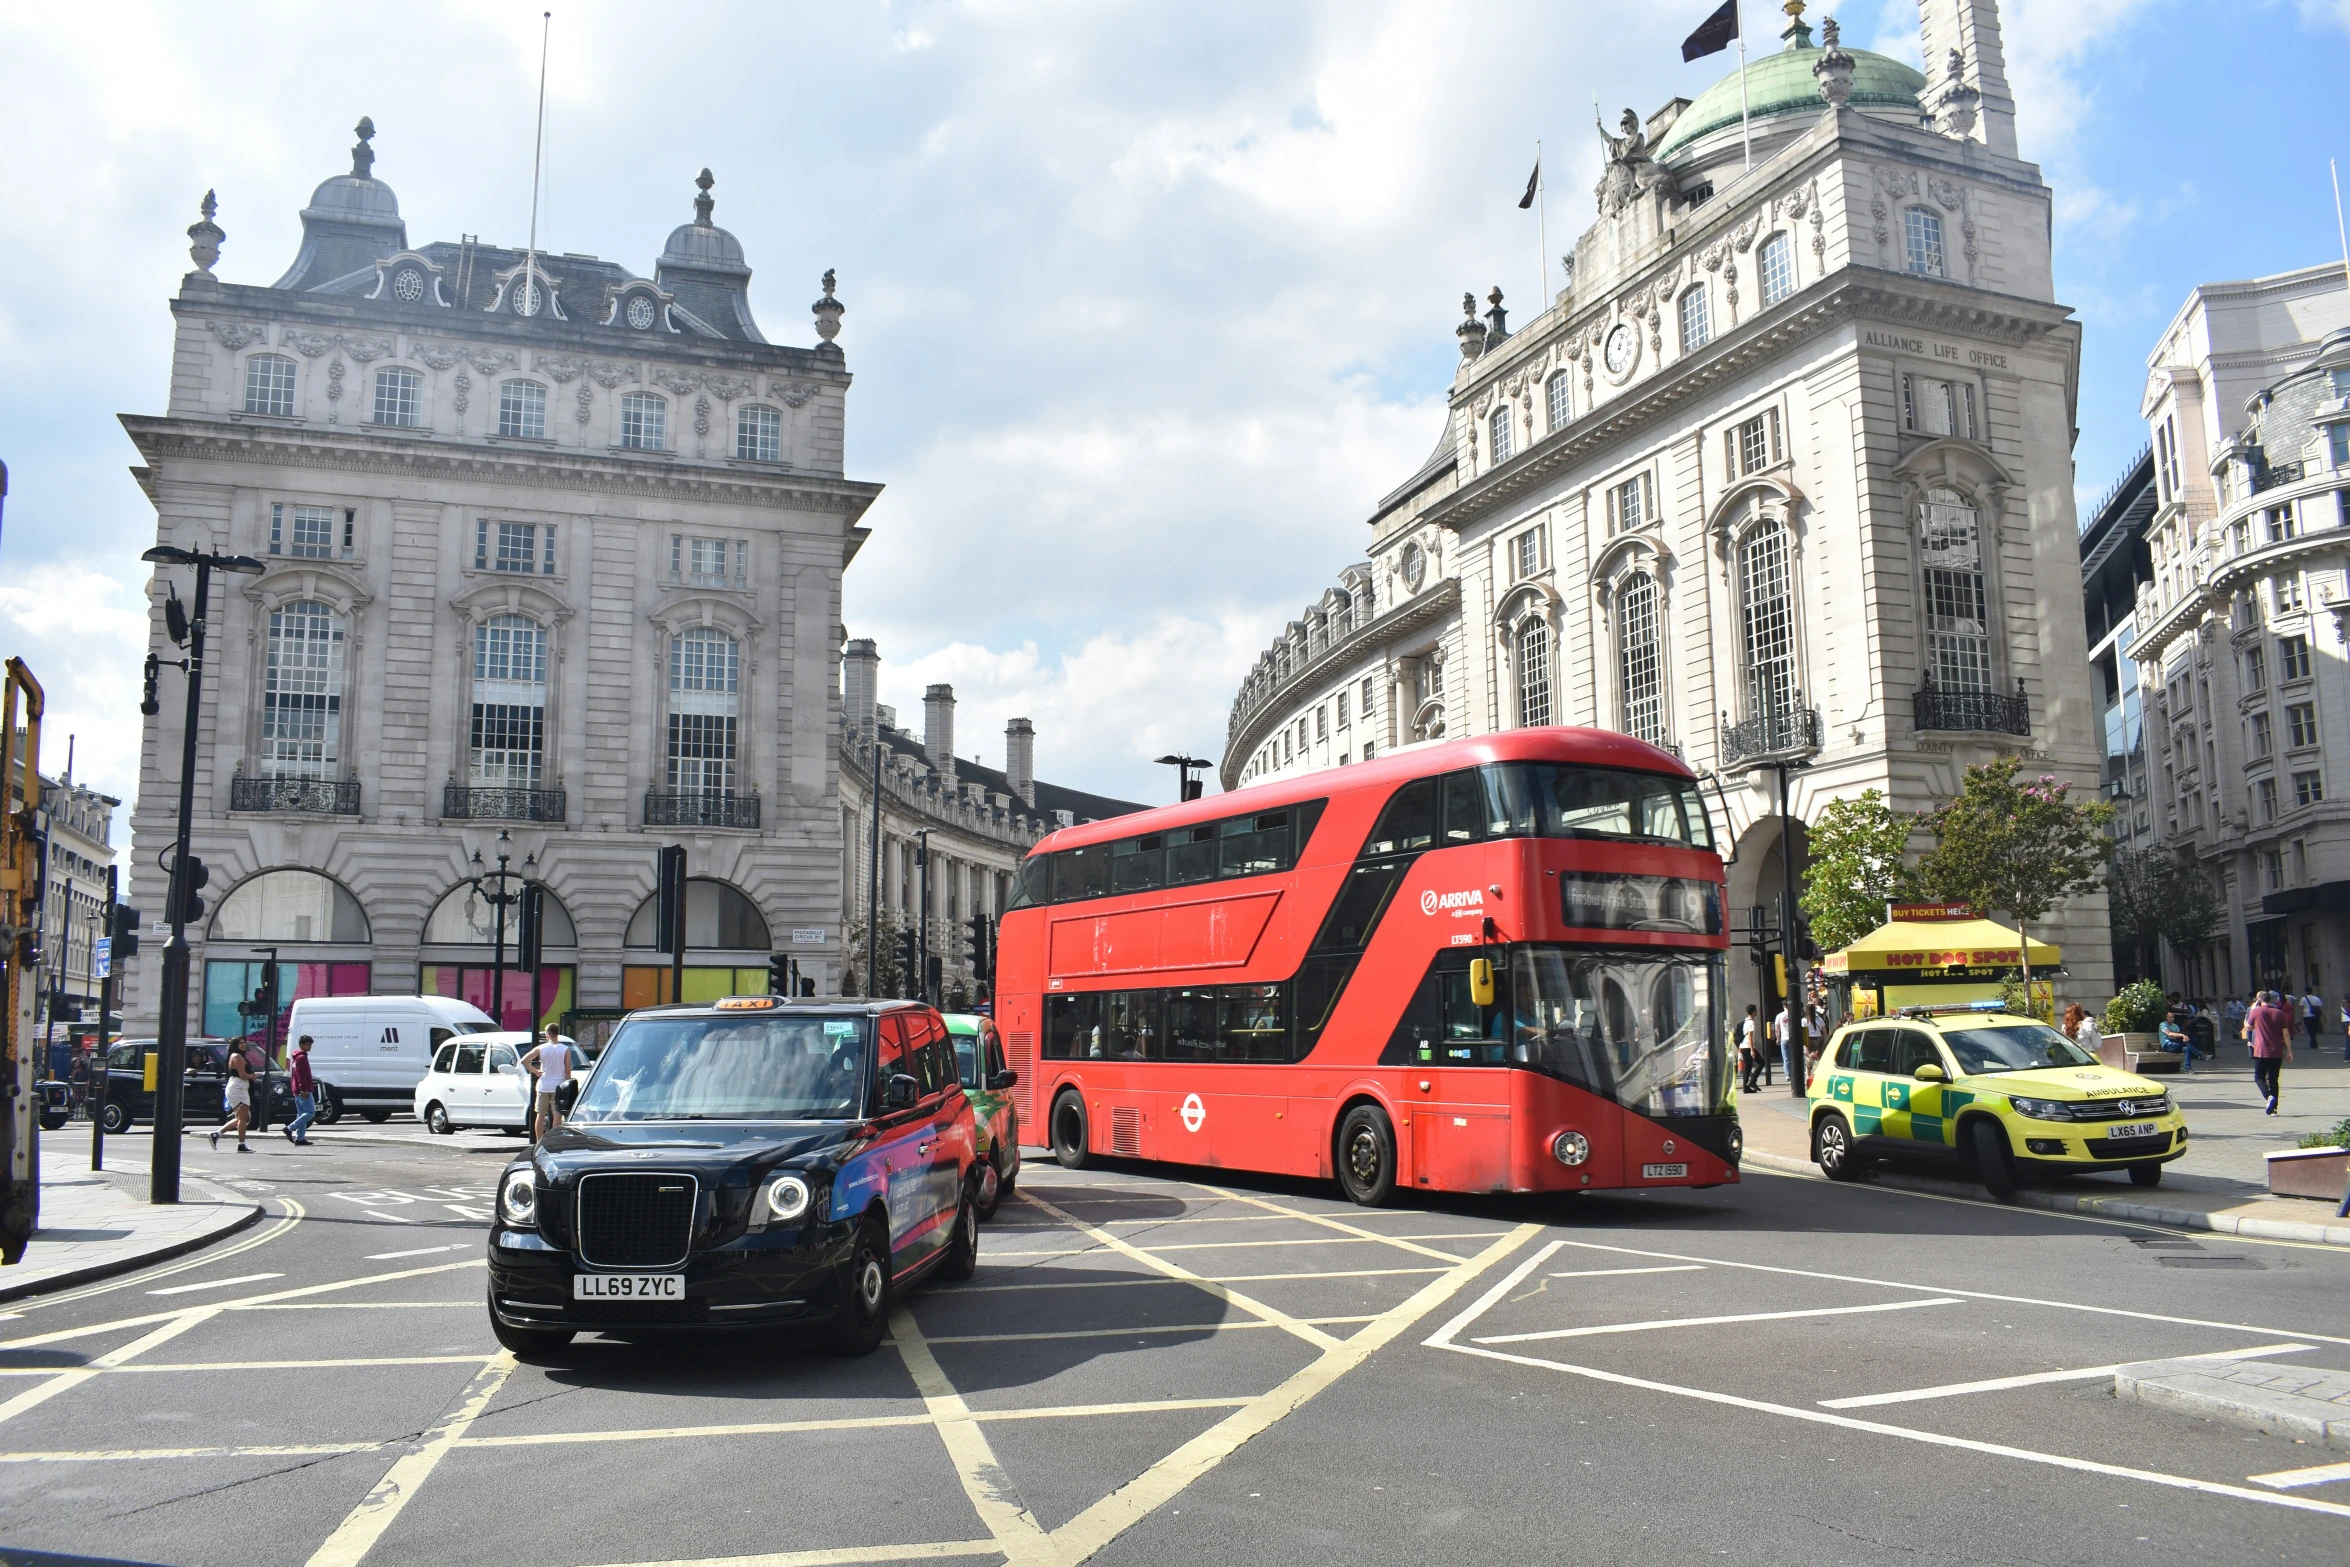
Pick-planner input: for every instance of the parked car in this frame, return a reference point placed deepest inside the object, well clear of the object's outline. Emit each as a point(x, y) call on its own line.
point(202, 1101)
point(479, 1081)
point(755, 1163)
point(370, 1052)
point(56, 1101)
point(979, 1061)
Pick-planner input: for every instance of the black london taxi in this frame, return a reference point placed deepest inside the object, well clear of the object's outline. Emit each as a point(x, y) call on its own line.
point(203, 1096)
point(752, 1163)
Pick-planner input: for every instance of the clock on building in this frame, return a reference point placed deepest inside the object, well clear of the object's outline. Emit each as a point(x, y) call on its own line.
point(1623, 348)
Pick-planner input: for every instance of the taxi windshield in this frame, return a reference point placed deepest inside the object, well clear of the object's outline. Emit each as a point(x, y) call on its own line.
point(2014, 1047)
point(967, 1053)
point(729, 1069)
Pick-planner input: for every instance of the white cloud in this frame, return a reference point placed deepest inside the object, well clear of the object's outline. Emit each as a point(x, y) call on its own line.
point(82, 634)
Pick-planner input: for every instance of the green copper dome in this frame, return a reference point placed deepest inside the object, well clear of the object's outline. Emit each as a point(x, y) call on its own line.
point(1782, 83)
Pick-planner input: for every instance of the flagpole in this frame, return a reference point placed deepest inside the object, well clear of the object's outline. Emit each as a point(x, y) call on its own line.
point(1542, 229)
point(1745, 129)
point(2335, 169)
point(530, 256)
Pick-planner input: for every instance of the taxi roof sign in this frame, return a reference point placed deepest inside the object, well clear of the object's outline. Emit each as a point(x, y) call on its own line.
point(746, 1004)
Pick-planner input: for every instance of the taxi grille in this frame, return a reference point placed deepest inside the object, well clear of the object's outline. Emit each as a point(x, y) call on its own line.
point(635, 1220)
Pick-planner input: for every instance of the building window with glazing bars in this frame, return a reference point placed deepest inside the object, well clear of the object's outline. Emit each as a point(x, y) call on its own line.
point(1321, 723)
point(1922, 233)
point(1631, 504)
point(269, 386)
point(704, 711)
point(1640, 660)
point(2263, 737)
point(395, 398)
point(758, 434)
point(708, 563)
point(2300, 725)
point(1936, 407)
point(1342, 709)
point(302, 692)
point(644, 421)
point(522, 411)
point(2292, 658)
point(1497, 427)
point(2255, 669)
point(2286, 594)
point(1753, 444)
point(2308, 789)
point(1776, 264)
point(1558, 394)
point(527, 547)
point(1958, 629)
point(1766, 621)
point(303, 532)
point(1696, 326)
point(2266, 793)
point(1526, 554)
point(1533, 672)
point(508, 740)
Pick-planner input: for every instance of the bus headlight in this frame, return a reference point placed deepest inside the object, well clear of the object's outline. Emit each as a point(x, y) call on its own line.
point(1571, 1148)
point(518, 1198)
point(788, 1197)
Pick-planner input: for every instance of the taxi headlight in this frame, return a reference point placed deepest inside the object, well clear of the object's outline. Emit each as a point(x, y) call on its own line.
point(518, 1198)
point(788, 1197)
point(1570, 1148)
point(2043, 1109)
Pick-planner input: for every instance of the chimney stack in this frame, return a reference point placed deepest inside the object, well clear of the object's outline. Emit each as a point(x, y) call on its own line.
point(1020, 759)
point(860, 682)
point(938, 729)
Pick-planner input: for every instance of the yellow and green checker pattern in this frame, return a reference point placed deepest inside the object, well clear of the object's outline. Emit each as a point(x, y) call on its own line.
point(1911, 1082)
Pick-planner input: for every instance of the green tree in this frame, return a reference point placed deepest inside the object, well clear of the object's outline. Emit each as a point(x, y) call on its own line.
point(889, 976)
point(1856, 852)
point(2165, 898)
point(2019, 846)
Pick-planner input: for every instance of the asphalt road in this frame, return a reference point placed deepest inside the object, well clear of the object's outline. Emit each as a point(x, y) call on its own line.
point(1161, 1366)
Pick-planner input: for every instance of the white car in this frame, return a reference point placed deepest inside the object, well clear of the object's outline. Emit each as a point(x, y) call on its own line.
point(478, 1081)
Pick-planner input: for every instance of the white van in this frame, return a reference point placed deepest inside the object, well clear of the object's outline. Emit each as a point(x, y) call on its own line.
point(369, 1052)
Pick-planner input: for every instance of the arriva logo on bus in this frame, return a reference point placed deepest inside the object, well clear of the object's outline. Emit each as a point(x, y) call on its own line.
point(1434, 902)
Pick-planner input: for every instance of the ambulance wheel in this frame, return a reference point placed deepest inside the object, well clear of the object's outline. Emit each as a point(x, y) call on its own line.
point(1831, 1149)
point(1993, 1167)
point(2145, 1175)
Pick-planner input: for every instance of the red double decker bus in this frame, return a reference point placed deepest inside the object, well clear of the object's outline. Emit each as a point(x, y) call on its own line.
point(1480, 965)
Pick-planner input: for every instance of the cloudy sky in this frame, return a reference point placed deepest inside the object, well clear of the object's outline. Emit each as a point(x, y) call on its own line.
point(1147, 303)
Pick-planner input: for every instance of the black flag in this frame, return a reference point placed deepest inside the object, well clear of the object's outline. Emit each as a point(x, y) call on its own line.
point(1533, 183)
point(1714, 34)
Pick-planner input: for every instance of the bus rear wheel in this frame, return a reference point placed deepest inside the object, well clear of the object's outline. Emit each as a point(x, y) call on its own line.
point(1070, 1138)
point(1366, 1156)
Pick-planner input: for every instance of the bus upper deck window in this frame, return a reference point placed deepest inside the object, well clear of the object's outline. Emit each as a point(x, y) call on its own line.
point(1464, 807)
point(1409, 822)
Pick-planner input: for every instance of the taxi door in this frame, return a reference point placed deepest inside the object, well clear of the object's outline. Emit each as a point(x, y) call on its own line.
point(945, 1144)
point(903, 1147)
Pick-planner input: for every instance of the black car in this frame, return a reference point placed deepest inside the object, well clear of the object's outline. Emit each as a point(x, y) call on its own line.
point(203, 1099)
point(55, 1099)
point(750, 1164)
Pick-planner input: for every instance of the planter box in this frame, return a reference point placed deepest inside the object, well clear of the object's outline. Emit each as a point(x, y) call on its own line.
point(2309, 1172)
point(2137, 1053)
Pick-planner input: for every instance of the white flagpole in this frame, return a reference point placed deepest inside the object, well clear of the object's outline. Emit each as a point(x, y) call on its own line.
point(2343, 234)
point(1542, 231)
point(530, 257)
point(1745, 130)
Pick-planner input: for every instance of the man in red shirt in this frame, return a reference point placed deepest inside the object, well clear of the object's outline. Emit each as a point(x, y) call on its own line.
point(2269, 1028)
point(305, 1089)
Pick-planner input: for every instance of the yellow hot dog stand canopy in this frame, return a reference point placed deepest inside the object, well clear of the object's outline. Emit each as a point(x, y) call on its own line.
point(1935, 953)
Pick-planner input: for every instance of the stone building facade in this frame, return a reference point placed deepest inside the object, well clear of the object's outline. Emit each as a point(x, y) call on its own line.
point(2241, 632)
point(553, 557)
point(1781, 477)
point(973, 825)
point(2115, 561)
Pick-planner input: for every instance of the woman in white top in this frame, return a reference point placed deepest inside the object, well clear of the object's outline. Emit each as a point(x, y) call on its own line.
point(2089, 1036)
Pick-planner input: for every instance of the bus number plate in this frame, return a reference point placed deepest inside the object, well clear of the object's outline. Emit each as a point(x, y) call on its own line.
point(1664, 1172)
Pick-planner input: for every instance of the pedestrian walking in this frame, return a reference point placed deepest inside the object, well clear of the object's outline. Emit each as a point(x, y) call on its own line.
point(1750, 1055)
point(2089, 1036)
point(550, 1063)
point(2313, 1011)
point(1783, 1033)
point(236, 1093)
point(2345, 1019)
point(304, 1084)
point(2271, 1030)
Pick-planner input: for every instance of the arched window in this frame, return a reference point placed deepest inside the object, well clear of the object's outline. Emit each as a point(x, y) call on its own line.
point(1696, 326)
point(1498, 427)
point(1531, 656)
point(705, 703)
point(508, 745)
point(716, 915)
point(1639, 660)
point(395, 398)
point(464, 918)
point(644, 421)
point(758, 434)
point(1958, 631)
point(1766, 621)
point(291, 905)
point(1776, 264)
point(1922, 235)
point(269, 385)
point(522, 410)
point(1559, 394)
point(302, 692)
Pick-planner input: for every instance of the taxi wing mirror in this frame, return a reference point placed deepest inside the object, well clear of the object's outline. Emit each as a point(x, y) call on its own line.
point(1930, 1073)
point(1481, 981)
point(903, 1091)
point(1001, 1081)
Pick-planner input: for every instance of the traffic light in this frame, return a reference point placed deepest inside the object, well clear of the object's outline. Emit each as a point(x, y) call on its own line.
point(531, 934)
point(935, 980)
point(265, 996)
point(193, 878)
point(780, 979)
point(908, 960)
point(669, 900)
point(126, 931)
point(1779, 973)
point(1192, 787)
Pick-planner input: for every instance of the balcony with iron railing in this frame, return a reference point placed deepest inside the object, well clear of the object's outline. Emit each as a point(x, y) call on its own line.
point(295, 795)
point(502, 803)
point(1938, 711)
point(701, 808)
point(2275, 475)
point(1781, 734)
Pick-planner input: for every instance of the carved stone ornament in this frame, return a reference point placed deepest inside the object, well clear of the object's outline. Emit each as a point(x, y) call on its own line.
point(1833, 69)
point(793, 394)
point(1945, 193)
point(561, 367)
point(464, 384)
point(204, 235)
point(363, 350)
point(308, 344)
point(334, 380)
point(1897, 181)
point(489, 361)
point(676, 381)
point(233, 335)
point(608, 374)
point(587, 400)
point(727, 388)
point(435, 356)
point(701, 415)
point(1744, 237)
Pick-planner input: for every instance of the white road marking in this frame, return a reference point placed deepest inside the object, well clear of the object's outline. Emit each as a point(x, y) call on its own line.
point(1609, 1273)
point(1707, 1322)
point(2037, 1378)
point(214, 1284)
point(2286, 1479)
point(1355, 1230)
point(388, 1218)
point(421, 1251)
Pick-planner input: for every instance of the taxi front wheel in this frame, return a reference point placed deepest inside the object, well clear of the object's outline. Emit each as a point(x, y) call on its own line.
point(1993, 1167)
point(1831, 1149)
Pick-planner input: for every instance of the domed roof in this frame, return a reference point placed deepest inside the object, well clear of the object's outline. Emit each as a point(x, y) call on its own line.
point(1782, 83)
point(702, 246)
point(354, 200)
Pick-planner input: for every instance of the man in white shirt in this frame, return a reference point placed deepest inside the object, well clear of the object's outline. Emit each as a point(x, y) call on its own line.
point(1783, 1033)
point(550, 1063)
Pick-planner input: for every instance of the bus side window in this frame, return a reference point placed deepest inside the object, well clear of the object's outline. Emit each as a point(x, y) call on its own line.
point(1191, 1025)
point(1464, 807)
point(1081, 873)
point(1072, 1024)
point(1191, 855)
point(1408, 823)
point(1258, 845)
point(1254, 1026)
point(1138, 864)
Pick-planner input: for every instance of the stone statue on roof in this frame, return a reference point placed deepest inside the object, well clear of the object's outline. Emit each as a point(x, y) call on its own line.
point(1630, 170)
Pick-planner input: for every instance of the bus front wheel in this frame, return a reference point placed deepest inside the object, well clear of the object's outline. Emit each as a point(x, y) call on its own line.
point(1069, 1131)
point(1366, 1156)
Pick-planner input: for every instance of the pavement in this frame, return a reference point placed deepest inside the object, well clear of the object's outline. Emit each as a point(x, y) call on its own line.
point(97, 1224)
point(2220, 1185)
point(1160, 1365)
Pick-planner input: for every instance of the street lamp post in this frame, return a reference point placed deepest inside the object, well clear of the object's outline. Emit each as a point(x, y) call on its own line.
point(171, 1034)
point(922, 920)
point(1188, 789)
point(500, 898)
